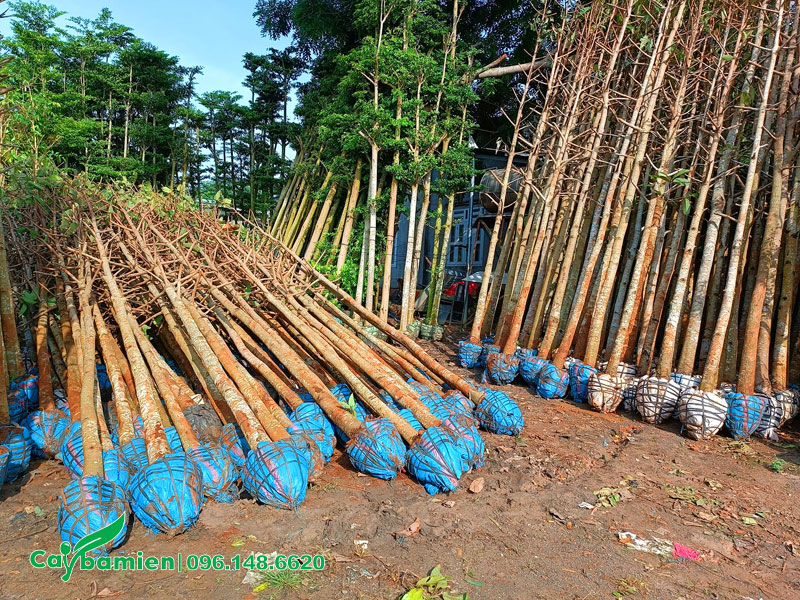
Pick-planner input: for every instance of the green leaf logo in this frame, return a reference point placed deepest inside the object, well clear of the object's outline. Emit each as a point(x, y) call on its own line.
point(90, 542)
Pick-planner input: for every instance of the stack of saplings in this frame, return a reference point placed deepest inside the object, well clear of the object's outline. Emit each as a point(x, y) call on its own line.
point(199, 358)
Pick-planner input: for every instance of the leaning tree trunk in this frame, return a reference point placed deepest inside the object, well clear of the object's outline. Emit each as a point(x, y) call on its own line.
point(350, 218)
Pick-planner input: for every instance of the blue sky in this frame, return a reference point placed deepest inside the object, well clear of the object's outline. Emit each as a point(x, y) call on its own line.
point(214, 35)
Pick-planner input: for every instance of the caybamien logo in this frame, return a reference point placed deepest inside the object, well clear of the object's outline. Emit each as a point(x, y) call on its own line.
point(80, 552)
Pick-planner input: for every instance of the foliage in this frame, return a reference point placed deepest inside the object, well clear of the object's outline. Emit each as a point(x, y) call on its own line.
point(778, 465)
point(89, 96)
point(433, 587)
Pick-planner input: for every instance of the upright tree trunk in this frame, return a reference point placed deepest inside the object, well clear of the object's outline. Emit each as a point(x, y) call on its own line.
point(758, 325)
point(13, 356)
point(711, 371)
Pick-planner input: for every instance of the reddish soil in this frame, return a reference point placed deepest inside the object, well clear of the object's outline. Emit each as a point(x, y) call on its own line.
point(523, 536)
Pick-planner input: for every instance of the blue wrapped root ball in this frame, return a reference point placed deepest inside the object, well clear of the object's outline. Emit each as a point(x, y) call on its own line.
point(316, 461)
point(116, 467)
point(744, 414)
point(135, 454)
point(48, 429)
point(19, 445)
point(552, 382)
point(487, 349)
point(234, 444)
point(525, 353)
point(116, 464)
point(167, 495)
point(579, 380)
point(436, 461)
point(469, 354)
point(173, 439)
point(466, 437)
point(308, 431)
point(529, 369)
point(497, 413)
point(217, 471)
point(276, 474)
point(5, 457)
point(310, 418)
point(412, 420)
point(502, 368)
point(377, 449)
point(89, 504)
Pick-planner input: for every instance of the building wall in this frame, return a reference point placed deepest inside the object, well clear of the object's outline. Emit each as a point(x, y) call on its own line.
point(462, 235)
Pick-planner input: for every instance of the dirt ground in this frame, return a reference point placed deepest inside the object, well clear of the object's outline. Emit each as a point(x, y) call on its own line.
point(522, 536)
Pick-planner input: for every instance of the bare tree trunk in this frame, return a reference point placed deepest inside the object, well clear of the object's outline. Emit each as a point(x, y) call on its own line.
point(13, 356)
point(788, 296)
point(373, 225)
point(348, 224)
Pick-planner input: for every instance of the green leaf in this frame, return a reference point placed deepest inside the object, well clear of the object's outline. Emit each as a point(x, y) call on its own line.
point(686, 206)
point(414, 594)
point(749, 521)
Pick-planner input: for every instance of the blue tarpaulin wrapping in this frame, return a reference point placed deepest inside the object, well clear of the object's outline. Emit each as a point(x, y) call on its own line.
point(466, 437)
point(412, 420)
point(5, 457)
point(499, 414)
point(276, 474)
point(102, 379)
point(744, 414)
point(431, 399)
point(74, 427)
point(72, 454)
point(167, 495)
point(29, 386)
point(17, 409)
point(377, 449)
point(488, 348)
point(529, 369)
point(23, 396)
point(469, 354)
point(310, 432)
point(309, 418)
point(525, 353)
point(19, 446)
point(217, 470)
point(89, 504)
point(579, 380)
point(460, 403)
point(233, 444)
point(436, 461)
point(116, 464)
point(552, 382)
point(48, 429)
point(135, 454)
point(173, 439)
point(502, 369)
point(116, 468)
point(316, 462)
